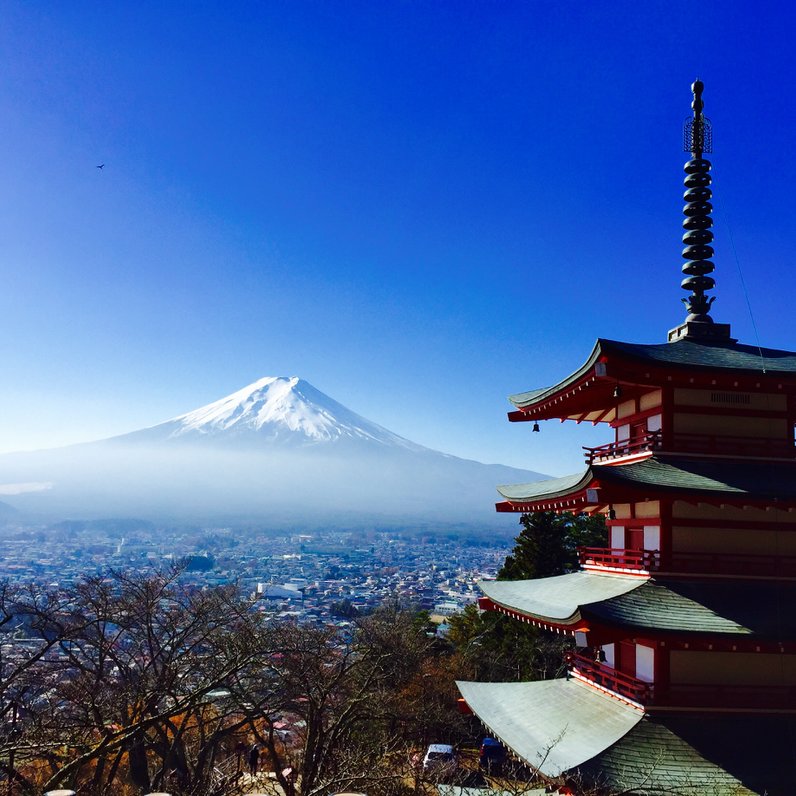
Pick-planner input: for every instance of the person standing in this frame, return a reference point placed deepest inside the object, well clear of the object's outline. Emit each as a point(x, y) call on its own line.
point(240, 750)
point(254, 759)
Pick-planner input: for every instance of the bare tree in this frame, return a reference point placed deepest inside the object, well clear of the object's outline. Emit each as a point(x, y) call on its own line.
point(112, 682)
point(128, 683)
point(335, 712)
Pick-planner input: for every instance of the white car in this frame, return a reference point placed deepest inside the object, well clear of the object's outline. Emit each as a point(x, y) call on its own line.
point(440, 759)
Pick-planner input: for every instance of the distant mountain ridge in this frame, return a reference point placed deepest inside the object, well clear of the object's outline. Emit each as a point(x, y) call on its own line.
point(278, 447)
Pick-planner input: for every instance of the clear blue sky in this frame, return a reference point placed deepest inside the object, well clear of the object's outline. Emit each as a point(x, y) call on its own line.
point(419, 207)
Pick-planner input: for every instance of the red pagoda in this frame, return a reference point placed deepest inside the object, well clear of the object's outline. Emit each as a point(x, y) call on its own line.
point(683, 677)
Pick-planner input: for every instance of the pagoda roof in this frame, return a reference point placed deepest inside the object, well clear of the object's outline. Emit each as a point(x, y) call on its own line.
point(553, 725)
point(665, 473)
point(560, 598)
point(689, 354)
point(724, 355)
point(753, 609)
point(697, 754)
point(567, 728)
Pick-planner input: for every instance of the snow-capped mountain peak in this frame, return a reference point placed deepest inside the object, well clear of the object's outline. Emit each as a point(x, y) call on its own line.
point(281, 408)
point(277, 450)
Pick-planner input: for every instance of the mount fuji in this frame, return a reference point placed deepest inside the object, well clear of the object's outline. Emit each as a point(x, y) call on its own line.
point(275, 410)
point(279, 450)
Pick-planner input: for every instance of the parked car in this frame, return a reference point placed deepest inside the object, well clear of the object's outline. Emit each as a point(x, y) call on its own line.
point(439, 760)
point(492, 754)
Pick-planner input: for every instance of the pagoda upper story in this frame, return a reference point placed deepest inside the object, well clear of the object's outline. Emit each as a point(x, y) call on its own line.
point(709, 398)
point(702, 431)
point(701, 393)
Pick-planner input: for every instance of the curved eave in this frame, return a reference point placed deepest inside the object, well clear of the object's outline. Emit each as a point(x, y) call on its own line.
point(553, 725)
point(557, 602)
point(568, 728)
point(587, 394)
point(549, 488)
point(583, 395)
point(579, 493)
point(751, 483)
point(525, 400)
point(666, 608)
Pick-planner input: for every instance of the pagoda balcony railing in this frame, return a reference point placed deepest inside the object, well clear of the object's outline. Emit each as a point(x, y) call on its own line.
point(620, 683)
point(627, 447)
point(619, 558)
point(754, 565)
point(720, 445)
point(710, 444)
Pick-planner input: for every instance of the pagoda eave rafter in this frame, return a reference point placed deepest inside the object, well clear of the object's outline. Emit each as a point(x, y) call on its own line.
point(577, 504)
point(594, 632)
point(567, 628)
point(580, 398)
point(596, 498)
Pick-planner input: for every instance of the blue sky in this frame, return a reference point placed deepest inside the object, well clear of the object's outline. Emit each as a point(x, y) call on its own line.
point(419, 207)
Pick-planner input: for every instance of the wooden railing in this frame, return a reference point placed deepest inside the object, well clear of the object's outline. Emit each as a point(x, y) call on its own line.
point(618, 558)
point(773, 566)
point(711, 444)
point(605, 676)
point(627, 447)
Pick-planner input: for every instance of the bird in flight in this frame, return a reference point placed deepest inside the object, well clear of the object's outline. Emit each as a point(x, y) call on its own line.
point(101, 166)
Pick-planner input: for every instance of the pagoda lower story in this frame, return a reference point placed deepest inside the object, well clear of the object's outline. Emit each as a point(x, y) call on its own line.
point(583, 738)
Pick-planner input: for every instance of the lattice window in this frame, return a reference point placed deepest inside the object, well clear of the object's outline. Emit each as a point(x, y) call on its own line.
point(735, 398)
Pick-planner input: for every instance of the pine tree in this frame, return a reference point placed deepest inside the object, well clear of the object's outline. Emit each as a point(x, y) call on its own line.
point(496, 647)
point(548, 544)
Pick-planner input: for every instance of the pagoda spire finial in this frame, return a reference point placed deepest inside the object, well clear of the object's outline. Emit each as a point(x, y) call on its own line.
point(698, 140)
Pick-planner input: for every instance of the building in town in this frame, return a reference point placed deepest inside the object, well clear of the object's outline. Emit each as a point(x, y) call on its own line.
point(683, 677)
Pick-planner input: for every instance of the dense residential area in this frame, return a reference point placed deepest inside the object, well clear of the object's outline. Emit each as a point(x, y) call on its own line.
point(141, 678)
point(318, 576)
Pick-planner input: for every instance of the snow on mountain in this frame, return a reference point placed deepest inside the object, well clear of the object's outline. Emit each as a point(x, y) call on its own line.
point(276, 448)
point(278, 408)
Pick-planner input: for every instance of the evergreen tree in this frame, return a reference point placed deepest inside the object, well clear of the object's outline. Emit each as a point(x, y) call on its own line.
point(492, 646)
point(548, 544)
